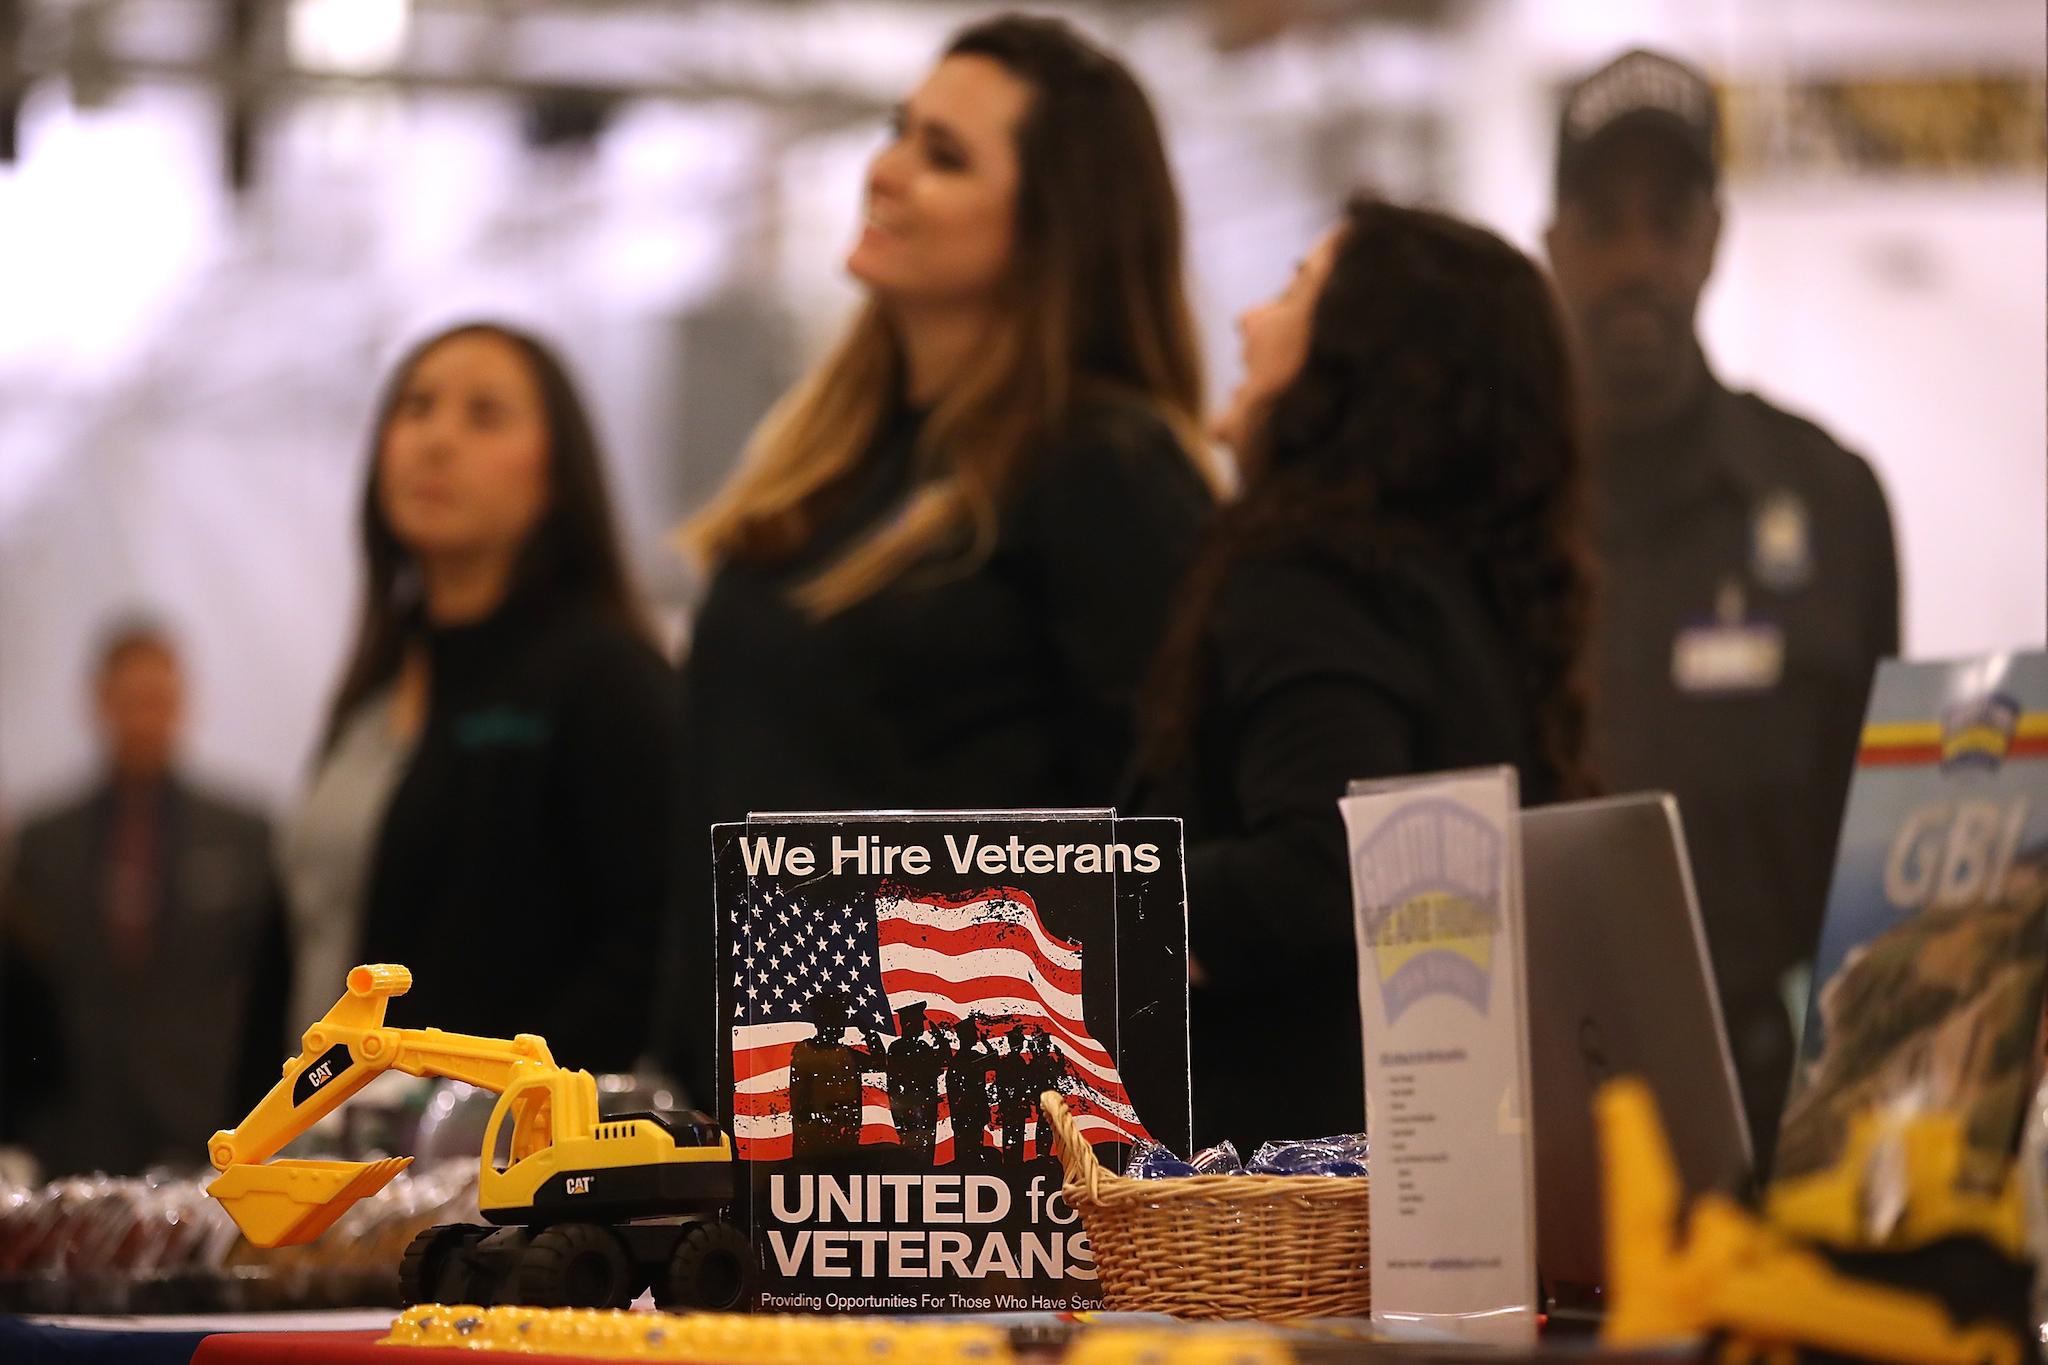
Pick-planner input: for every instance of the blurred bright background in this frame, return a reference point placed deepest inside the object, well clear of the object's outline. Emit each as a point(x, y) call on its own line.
point(222, 220)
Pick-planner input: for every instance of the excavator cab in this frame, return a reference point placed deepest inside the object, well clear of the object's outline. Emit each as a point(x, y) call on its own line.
point(522, 1125)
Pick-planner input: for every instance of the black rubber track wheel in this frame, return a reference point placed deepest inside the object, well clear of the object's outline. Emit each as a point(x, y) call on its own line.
point(708, 1269)
point(436, 1267)
point(575, 1265)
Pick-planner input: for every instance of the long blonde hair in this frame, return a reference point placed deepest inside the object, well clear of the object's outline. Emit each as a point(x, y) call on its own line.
point(1097, 309)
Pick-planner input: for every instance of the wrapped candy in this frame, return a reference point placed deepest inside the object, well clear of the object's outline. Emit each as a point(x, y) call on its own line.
point(1341, 1155)
point(1152, 1161)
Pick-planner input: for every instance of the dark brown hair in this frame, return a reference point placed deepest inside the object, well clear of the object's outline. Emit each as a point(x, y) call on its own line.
point(573, 551)
point(1094, 303)
point(1435, 408)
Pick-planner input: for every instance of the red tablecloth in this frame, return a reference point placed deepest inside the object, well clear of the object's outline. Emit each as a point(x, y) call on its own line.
point(312, 1348)
point(334, 1348)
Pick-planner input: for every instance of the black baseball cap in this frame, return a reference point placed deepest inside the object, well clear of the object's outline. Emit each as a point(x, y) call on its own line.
point(1639, 92)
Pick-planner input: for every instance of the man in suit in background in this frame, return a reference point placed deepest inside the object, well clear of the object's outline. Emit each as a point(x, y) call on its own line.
point(145, 912)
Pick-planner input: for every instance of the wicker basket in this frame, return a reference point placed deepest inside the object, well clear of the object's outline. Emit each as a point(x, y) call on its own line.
point(1220, 1246)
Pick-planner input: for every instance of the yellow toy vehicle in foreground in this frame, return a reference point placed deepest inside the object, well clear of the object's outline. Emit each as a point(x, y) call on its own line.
point(1837, 1207)
point(588, 1211)
point(1765, 1295)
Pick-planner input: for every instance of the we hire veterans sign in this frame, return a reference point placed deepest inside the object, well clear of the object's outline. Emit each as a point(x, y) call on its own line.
point(894, 995)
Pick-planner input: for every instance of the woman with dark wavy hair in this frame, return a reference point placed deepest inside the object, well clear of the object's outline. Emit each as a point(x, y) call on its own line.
point(1400, 588)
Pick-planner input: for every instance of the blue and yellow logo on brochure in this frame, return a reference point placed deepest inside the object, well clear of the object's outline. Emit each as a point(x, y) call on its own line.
point(1979, 733)
point(1983, 733)
point(1428, 882)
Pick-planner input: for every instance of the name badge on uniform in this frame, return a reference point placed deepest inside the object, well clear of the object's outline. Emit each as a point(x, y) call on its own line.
point(1781, 542)
point(1729, 655)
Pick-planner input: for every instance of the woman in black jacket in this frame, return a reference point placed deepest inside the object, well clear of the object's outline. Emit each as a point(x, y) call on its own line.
point(1399, 589)
point(944, 564)
point(493, 803)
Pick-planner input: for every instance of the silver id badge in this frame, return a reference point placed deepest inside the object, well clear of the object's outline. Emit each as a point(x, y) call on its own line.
point(1729, 655)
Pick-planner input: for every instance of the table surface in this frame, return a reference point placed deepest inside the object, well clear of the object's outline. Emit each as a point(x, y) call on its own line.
point(322, 1320)
point(349, 1337)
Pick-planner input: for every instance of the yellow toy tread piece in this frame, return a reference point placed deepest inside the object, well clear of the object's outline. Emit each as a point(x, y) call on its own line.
point(1734, 1276)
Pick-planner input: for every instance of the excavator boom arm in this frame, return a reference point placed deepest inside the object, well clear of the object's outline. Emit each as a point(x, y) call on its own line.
point(485, 1063)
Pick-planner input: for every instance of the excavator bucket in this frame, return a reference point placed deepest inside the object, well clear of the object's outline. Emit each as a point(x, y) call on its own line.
point(286, 1203)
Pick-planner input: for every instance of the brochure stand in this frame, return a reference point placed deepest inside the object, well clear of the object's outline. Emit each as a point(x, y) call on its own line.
point(1437, 891)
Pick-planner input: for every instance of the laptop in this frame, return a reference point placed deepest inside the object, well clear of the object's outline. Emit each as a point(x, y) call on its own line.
point(1619, 984)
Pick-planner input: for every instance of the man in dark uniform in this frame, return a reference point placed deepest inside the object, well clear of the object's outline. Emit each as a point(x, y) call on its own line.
point(1748, 577)
point(916, 1061)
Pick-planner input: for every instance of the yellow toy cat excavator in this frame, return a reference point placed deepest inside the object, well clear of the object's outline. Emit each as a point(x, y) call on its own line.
point(587, 1211)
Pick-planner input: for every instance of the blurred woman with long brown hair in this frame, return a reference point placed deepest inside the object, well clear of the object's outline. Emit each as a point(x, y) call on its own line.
point(944, 562)
point(492, 803)
point(1400, 588)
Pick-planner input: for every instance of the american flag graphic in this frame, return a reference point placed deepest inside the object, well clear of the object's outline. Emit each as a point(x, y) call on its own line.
point(985, 954)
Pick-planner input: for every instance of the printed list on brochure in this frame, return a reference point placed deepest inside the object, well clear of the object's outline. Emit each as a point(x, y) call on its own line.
point(1409, 1128)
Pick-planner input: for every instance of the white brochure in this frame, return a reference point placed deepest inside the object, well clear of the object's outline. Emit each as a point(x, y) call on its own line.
point(1436, 880)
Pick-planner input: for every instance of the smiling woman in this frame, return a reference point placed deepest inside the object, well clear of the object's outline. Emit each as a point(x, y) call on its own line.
point(492, 801)
point(942, 199)
point(944, 561)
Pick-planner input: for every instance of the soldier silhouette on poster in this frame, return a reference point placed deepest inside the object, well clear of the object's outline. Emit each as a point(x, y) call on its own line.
point(1014, 1100)
point(916, 1061)
point(1048, 1066)
point(1044, 1069)
point(967, 1092)
point(825, 1082)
